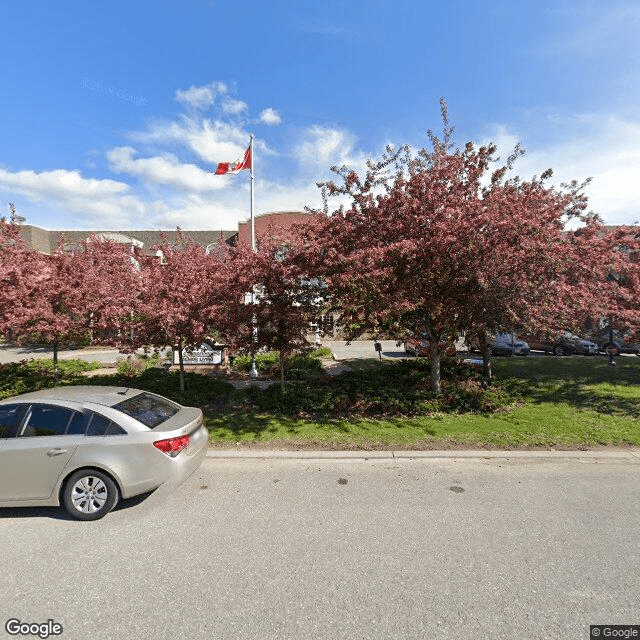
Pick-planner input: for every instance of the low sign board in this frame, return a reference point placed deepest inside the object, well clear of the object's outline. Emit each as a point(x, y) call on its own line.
point(204, 354)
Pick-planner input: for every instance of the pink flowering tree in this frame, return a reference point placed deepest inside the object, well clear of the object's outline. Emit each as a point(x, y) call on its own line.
point(620, 273)
point(286, 298)
point(180, 297)
point(21, 273)
point(439, 242)
point(77, 293)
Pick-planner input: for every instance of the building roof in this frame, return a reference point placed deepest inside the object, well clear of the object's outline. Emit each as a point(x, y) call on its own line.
point(47, 241)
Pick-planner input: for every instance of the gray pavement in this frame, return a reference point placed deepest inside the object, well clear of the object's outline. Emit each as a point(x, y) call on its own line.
point(364, 349)
point(340, 349)
point(404, 548)
point(12, 353)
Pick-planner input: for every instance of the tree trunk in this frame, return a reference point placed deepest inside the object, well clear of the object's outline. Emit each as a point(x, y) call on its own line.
point(282, 359)
point(56, 372)
point(485, 349)
point(434, 357)
point(181, 365)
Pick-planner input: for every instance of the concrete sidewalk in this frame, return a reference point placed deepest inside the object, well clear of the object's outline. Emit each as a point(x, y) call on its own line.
point(626, 455)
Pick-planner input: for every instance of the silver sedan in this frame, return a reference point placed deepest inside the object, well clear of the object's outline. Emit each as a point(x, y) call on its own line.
point(86, 447)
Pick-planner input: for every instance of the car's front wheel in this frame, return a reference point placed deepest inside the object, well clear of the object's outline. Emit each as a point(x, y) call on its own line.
point(89, 494)
point(558, 350)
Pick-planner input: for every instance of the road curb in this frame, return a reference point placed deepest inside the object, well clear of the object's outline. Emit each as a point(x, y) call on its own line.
point(630, 456)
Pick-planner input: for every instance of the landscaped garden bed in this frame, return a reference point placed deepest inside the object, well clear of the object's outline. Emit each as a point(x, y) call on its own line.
point(531, 403)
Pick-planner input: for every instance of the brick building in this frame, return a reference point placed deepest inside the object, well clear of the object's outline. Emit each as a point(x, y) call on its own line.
point(282, 219)
point(47, 241)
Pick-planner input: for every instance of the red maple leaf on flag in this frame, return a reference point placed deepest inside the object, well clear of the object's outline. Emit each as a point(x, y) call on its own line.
point(237, 165)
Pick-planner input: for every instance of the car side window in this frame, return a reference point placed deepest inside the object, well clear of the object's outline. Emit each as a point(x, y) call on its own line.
point(102, 426)
point(78, 424)
point(46, 420)
point(10, 419)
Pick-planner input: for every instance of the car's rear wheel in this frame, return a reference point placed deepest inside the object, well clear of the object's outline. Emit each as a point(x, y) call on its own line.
point(558, 350)
point(89, 494)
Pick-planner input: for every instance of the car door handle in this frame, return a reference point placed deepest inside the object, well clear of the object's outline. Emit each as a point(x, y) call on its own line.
point(56, 452)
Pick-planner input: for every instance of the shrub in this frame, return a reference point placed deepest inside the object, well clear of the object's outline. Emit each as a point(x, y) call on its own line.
point(390, 389)
point(297, 366)
point(321, 352)
point(31, 375)
point(133, 366)
point(201, 390)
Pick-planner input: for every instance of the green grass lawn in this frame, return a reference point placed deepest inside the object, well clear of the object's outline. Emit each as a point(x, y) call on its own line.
point(571, 402)
point(560, 402)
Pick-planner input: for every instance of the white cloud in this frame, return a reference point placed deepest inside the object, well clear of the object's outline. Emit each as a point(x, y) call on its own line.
point(59, 183)
point(286, 196)
point(233, 106)
point(97, 202)
point(213, 141)
point(270, 116)
point(201, 97)
point(165, 169)
point(195, 211)
point(604, 147)
point(323, 147)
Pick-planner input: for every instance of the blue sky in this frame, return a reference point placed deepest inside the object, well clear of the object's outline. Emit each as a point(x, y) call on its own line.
point(113, 114)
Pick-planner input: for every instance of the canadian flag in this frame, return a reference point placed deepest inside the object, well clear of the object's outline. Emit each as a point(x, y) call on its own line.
point(234, 167)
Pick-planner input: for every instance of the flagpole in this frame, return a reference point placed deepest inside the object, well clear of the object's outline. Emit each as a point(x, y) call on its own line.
point(253, 374)
point(253, 225)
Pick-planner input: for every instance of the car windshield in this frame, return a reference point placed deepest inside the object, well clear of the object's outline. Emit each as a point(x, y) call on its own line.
point(149, 409)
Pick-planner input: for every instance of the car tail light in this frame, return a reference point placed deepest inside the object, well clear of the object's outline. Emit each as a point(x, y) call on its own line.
point(172, 446)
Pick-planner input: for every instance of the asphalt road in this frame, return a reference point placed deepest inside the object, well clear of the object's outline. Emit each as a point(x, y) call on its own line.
point(270, 549)
point(11, 353)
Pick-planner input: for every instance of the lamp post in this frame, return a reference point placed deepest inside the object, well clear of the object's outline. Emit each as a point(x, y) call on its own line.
point(611, 347)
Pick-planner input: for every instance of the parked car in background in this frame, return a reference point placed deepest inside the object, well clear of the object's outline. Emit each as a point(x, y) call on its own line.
point(506, 344)
point(502, 344)
point(85, 447)
point(419, 346)
point(566, 343)
point(618, 345)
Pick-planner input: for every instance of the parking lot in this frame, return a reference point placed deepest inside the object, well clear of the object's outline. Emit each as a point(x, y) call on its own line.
point(391, 351)
point(340, 348)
